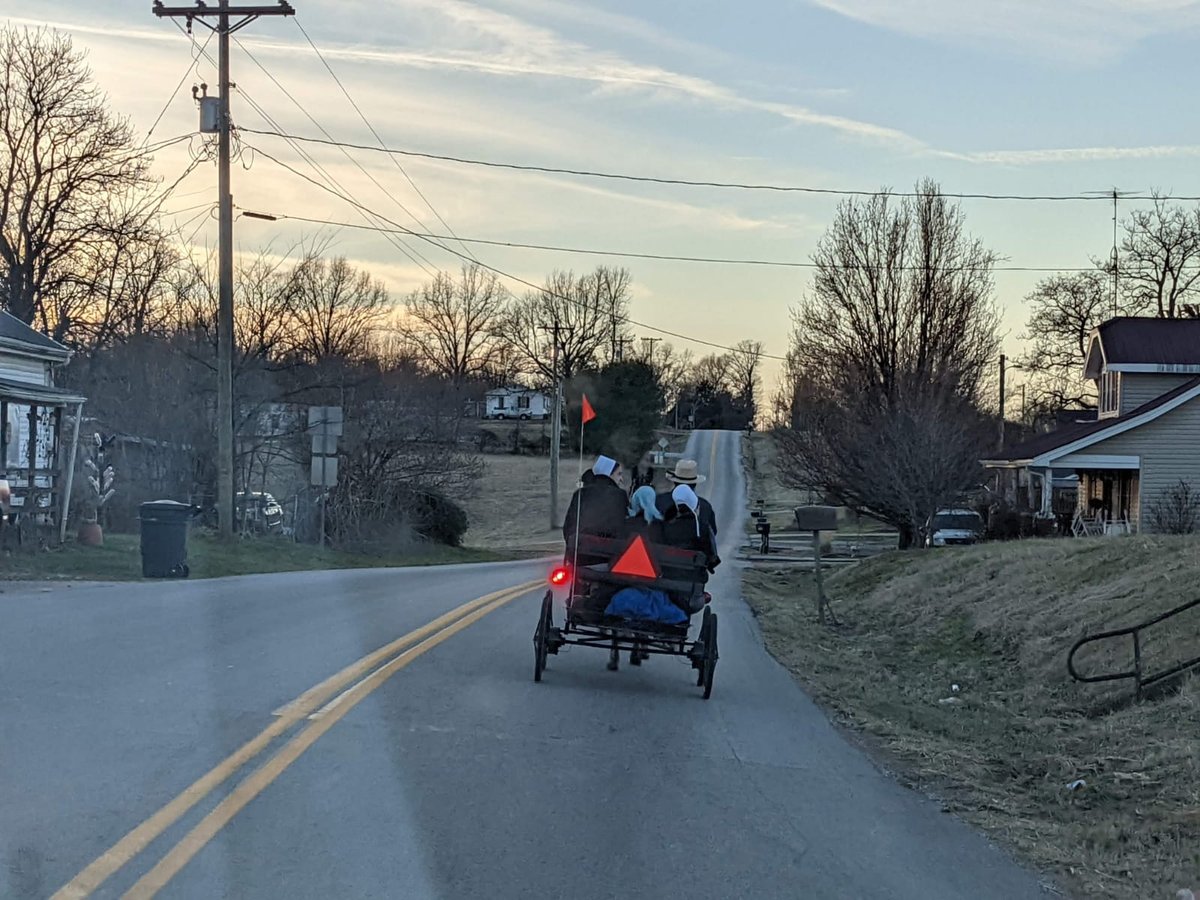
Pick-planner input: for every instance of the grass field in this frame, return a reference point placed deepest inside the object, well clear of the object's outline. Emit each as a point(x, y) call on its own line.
point(510, 509)
point(1101, 792)
point(120, 559)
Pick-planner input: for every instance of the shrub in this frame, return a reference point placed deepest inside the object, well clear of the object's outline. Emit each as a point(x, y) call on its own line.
point(436, 517)
point(1177, 510)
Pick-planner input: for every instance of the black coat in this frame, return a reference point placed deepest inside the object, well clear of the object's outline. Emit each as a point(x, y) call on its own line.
point(679, 529)
point(601, 506)
point(666, 504)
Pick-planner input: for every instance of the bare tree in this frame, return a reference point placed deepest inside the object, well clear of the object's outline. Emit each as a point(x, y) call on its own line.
point(902, 296)
point(891, 348)
point(1064, 310)
point(1160, 259)
point(336, 310)
point(671, 367)
point(900, 460)
point(452, 324)
point(745, 379)
point(122, 281)
point(62, 156)
point(579, 314)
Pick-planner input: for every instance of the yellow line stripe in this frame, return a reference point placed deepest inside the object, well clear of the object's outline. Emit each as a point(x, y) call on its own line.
point(133, 843)
point(258, 781)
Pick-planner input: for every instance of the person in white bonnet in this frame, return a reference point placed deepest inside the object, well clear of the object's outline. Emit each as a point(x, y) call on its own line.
point(687, 472)
point(598, 506)
point(684, 526)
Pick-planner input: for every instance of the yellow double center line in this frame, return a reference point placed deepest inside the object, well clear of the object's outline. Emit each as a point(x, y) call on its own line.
point(377, 667)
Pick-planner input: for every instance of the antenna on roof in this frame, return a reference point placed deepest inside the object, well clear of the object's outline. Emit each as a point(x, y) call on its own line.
point(1114, 260)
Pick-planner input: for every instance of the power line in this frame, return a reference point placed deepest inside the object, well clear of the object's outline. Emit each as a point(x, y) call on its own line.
point(329, 137)
point(421, 263)
point(630, 254)
point(175, 93)
point(537, 287)
point(382, 144)
point(650, 179)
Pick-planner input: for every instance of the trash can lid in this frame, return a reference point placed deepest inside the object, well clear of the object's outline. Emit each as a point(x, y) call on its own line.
point(165, 504)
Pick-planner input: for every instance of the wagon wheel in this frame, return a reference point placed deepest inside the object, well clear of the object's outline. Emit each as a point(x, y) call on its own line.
point(541, 636)
point(710, 656)
point(705, 625)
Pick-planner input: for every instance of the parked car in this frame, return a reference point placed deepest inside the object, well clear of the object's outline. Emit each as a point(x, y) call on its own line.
point(259, 512)
point(954, 526)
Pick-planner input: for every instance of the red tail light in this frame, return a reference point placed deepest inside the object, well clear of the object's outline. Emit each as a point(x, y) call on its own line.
point(560, 576)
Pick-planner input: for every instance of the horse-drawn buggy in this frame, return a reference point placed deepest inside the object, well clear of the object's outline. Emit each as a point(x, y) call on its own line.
point(631, 596)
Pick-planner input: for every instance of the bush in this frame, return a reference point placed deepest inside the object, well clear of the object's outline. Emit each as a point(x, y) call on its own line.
point(1177, 510)
point(436, 517)
point(390, 517)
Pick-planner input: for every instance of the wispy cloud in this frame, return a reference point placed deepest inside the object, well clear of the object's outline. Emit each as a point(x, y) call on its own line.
point(1072, 154)
point(1080, 31)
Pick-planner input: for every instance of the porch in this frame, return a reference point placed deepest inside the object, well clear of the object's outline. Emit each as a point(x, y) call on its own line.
point(36, 463)
point(1109, 502)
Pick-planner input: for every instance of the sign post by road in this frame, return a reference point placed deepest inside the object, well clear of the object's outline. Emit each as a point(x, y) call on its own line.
point(324, 426)
point(817, 519)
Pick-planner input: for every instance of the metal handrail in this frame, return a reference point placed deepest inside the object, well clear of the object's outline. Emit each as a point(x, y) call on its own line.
point(1140, 679)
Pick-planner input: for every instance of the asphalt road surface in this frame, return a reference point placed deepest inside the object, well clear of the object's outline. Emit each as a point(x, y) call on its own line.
point(290, 736)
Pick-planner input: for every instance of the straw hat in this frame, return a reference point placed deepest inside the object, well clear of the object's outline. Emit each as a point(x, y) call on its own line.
point(686, 472)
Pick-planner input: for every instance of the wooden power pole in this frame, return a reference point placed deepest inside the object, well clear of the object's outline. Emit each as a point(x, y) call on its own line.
point(1003, 361)
point(223, 13)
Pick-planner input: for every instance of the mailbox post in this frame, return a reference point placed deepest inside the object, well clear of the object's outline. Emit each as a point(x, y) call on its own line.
point(817, 519)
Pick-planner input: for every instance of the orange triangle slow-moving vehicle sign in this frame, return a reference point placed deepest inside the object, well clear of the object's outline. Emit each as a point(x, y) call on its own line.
point(636, 561)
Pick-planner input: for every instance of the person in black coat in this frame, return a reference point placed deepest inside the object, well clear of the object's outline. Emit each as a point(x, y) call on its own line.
point(684, 528)
point(686, 473)
point(597, 508)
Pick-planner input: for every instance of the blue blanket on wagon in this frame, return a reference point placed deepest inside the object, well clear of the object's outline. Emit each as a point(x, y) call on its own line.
point(645, 605)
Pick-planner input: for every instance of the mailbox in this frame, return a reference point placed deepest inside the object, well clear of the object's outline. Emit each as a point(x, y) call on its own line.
point(816, 518)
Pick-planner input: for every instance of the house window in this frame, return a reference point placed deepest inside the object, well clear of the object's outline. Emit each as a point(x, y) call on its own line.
point(1110, 392)
point(523, 402)
point(500, 402)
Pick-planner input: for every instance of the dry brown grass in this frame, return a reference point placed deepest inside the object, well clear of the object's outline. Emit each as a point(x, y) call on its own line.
point(998, 621)
point(510, 508)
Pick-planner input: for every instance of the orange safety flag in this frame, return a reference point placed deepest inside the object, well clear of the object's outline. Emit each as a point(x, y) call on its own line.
point(636, 561)
point(588, 412)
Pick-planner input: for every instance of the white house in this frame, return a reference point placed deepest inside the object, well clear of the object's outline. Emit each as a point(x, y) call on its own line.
point(516, 403)
point(33, 459)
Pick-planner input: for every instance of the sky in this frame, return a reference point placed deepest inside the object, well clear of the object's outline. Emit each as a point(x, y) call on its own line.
point(998, 97)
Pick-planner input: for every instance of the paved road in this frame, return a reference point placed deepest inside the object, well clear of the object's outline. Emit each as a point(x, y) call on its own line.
point(446, 774)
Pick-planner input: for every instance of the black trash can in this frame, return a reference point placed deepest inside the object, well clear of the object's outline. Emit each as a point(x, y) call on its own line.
point(164, 538)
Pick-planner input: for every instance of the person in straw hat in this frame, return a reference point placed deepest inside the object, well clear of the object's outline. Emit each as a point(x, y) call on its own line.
point(687, 472)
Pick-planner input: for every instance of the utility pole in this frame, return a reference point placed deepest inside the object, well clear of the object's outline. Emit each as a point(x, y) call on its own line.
point(1003, 360)
point(619, 348)
point(650, 342)
point(555, 434)
point(201, 13)
point(1116, 195)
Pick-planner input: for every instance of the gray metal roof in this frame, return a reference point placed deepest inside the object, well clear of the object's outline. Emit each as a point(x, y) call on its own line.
point(23, 392)
point(14, 330)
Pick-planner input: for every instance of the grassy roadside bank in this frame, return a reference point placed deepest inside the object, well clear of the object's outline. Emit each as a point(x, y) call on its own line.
point(120, 560)
point(1100, 792)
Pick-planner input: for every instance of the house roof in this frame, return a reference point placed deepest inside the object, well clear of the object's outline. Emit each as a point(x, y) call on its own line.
point(1143, 342)
point(494, 392)
point(23, 392)
point(1043, 444)
point(14, 331)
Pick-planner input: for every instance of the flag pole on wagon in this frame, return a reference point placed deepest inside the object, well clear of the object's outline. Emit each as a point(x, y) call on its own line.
point(586, 415)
